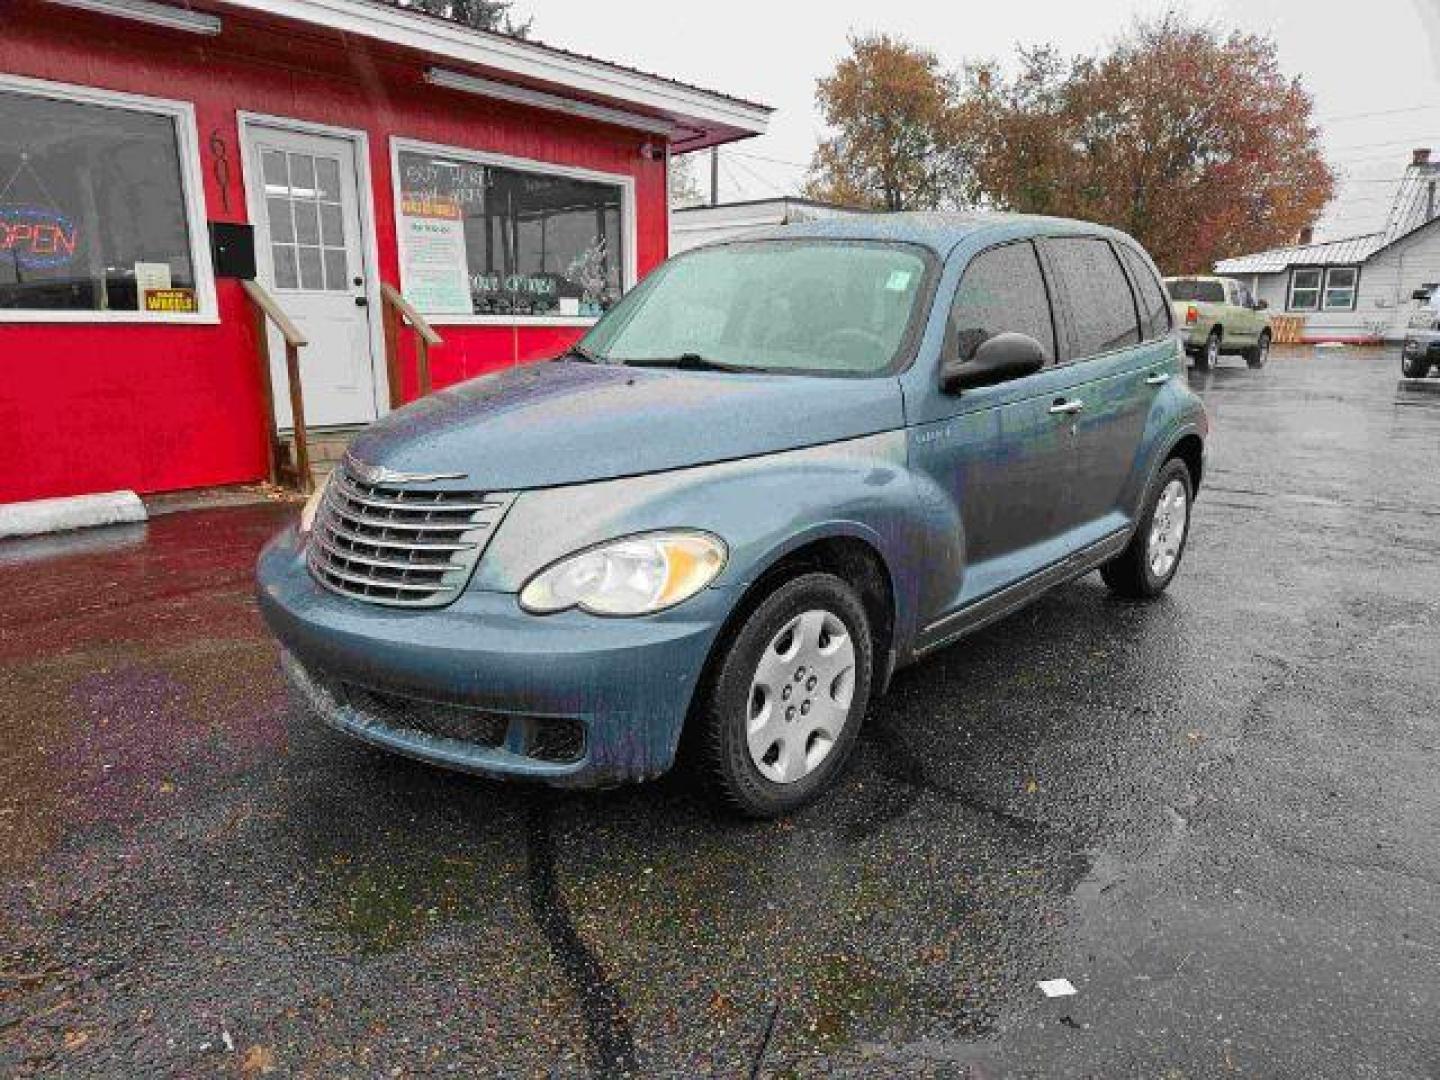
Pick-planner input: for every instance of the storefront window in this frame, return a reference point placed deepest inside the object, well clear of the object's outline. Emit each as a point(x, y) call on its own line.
point(483, 239)
point(93, 214)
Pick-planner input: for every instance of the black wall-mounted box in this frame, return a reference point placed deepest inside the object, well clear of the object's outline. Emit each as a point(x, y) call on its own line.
point(232, 249)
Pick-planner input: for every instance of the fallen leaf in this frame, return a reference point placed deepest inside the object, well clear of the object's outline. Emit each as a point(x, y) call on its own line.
point(258, 1061)
point(76, 1039)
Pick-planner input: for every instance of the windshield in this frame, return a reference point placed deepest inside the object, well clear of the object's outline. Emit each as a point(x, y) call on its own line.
point(815, 307)
point(1206, 292)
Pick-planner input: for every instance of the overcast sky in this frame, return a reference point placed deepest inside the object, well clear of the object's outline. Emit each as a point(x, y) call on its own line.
point(1373, 66)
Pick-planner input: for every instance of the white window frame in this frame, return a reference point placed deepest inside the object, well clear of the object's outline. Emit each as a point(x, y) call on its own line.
point(628, 227)
point(1318, 290)
point(192, 191)
point(1353, 289)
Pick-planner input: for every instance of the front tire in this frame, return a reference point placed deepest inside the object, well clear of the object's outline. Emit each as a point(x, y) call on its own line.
point(1148, 564)
point(783, 704)
point(1257, 356)
point(1414, 367)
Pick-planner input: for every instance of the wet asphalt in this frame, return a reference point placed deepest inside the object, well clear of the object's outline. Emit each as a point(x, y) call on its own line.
point(1217, 815)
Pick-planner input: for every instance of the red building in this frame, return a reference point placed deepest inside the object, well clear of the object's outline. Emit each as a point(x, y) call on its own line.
point(509, 190)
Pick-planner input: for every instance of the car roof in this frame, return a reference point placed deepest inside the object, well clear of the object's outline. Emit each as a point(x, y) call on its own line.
point(940, 232)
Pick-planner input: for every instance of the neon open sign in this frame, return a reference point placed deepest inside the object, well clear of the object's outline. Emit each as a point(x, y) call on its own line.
point(37, 238)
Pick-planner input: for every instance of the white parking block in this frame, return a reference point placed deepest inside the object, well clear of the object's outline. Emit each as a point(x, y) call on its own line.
point(76, 512)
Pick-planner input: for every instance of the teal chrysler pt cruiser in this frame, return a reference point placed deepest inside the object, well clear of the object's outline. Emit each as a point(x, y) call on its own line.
point(778, 470)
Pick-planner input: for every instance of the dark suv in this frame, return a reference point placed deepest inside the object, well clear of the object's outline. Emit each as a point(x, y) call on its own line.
point(777, 471)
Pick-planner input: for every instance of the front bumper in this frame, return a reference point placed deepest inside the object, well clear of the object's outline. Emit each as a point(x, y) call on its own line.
point(626, 683)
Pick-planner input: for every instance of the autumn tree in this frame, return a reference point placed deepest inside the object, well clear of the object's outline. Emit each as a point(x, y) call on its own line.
point(476, 14)
point(894, 144)
point(1191, 140)
point(684, 186)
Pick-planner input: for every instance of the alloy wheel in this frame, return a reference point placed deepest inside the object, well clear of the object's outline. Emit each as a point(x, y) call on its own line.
point(800, 696)
point(1167, 529)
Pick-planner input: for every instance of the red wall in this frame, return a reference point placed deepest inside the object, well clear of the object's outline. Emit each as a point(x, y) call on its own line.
point(93, 407)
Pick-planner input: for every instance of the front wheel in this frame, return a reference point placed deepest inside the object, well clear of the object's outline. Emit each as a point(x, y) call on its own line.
point(1257, 356)
point(1149, 562)
point(1414, 367)
point(783, 704)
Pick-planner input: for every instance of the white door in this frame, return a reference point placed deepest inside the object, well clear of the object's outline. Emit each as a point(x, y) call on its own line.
point(309, 253)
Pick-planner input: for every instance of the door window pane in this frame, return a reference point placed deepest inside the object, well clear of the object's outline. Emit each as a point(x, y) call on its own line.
point(332, 230)
point(302, 176)
point(327, 178)
point(336, 272)
point(311, 276)
point(1154, 305)
point(1003, 291)
point(518, 242)
point(286, 275)
point(277, 177)
point(1101, 305)
point(282, 221)
point(307, 221)
point(92, 209)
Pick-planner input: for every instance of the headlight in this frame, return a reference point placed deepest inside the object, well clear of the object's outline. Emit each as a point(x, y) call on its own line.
point(634, 576)
point(312, 506)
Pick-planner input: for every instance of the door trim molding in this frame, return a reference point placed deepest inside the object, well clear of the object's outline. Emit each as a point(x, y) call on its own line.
point(369, 223)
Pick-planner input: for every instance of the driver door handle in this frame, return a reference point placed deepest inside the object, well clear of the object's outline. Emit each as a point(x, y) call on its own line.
point(1066, 408)
point(1160, 378)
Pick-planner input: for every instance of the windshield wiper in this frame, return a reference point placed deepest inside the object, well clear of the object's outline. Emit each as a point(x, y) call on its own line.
point(689, 361)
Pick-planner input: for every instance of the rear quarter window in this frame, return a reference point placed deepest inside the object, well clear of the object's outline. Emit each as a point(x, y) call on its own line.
point(1102, 308)
point(1154, 305)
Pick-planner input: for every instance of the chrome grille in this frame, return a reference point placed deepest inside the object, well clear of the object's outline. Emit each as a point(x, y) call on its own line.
point(410, 546)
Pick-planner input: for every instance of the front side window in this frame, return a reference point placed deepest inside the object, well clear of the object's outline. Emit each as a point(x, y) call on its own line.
point(1154, 306)
point(484, 239)
point(811, 307)
point(1340, 284)
point(1101, 305)
point(1305, 289)
point(93, 211)
point(1003, 291)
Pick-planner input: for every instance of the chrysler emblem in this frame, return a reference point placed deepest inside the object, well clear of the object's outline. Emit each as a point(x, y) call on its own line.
point(379, 474)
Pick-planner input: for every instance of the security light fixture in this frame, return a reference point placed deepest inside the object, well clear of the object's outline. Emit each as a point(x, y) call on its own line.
point(523, 95)
point(172, 18)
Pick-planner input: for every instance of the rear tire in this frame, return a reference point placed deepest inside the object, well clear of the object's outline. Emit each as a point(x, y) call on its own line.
point(1414, 367)
point(1209, 354)
point(1149, 563)
point(1257, 356)
point(782, 706)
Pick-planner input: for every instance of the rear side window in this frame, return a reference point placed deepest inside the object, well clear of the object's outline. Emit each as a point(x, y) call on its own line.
point(1204, 292)
point(1003, 291)
point(1154, 307)
point(1101, 306)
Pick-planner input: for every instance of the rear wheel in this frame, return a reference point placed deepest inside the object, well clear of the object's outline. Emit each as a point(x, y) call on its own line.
point(1209, 354)
point(1414, 367)
point(1148, 564)
point(783, 705)
point(1257, 356)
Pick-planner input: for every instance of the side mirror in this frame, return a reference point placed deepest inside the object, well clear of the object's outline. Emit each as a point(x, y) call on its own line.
point(1262, 305)
point(1420, 294)
point(998, 359)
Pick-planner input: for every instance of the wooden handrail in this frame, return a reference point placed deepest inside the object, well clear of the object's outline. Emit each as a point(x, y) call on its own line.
point(397, 307)
point(267, 308)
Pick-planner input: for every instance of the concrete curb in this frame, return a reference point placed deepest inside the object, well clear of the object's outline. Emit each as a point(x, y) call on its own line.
point(76, 512)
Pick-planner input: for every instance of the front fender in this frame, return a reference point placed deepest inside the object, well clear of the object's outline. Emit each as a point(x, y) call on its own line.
point(763, 507)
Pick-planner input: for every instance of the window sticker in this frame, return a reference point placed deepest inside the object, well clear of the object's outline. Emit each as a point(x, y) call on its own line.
point(899, 281)
point(171, 301)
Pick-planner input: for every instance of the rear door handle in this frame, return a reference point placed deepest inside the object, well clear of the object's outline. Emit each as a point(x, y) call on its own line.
point(1064, 408)
point(1160, 378)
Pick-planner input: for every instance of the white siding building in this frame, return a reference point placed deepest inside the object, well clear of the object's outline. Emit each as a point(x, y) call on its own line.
point(1357, 289)
point(697, 225)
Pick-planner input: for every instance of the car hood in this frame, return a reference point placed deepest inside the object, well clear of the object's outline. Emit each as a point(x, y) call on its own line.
point(547, 424)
